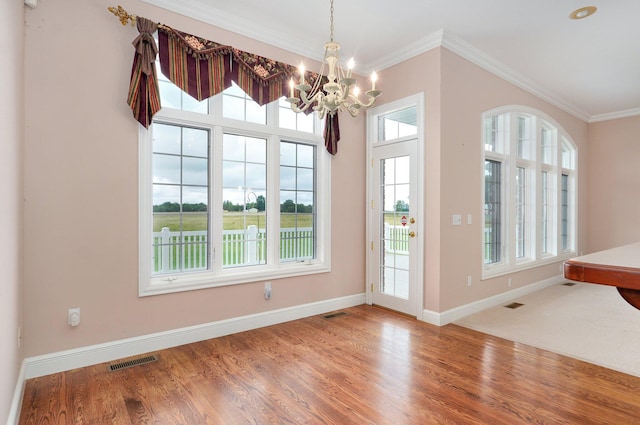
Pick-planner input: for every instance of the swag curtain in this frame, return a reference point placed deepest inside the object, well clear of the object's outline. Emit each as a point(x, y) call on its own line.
point(144, 95)
point(203, 68)
point(199, 67)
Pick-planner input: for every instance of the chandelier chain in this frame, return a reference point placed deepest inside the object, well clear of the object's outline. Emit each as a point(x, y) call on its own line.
point(331, 27)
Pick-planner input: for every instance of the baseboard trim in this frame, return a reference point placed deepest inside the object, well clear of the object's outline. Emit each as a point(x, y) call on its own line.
point(16, 403)
point(100, 353)
point(457, 313)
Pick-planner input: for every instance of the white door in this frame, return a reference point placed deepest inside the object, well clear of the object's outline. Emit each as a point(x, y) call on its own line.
point(394, 265)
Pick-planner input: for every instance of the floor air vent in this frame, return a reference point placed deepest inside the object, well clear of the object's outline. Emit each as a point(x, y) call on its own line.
point(514, 305)
point(332, 315)
point(131, 363)
point(569, 284)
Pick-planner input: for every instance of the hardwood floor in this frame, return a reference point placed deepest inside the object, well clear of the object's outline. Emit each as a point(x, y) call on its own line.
point(369, 366)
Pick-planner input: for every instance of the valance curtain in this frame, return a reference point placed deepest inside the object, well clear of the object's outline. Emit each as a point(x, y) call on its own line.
point(203, 68)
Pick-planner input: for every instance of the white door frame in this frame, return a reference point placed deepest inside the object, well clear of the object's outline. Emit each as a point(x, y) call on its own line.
point(416, 100)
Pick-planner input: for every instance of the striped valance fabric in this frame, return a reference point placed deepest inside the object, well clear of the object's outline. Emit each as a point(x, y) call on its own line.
point(144, 95)
point(203, 68)
point(199, 67)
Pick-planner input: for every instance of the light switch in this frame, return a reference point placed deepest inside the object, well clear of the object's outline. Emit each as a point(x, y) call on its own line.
point(456, 220)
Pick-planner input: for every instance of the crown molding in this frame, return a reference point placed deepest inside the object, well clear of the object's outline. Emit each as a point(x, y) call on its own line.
point(441, 38)
point(615, 115)
point(409, 51)
point(213, 16)
point(478, 57)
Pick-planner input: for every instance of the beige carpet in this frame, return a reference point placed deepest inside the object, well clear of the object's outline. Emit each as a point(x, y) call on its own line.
point(586, 321)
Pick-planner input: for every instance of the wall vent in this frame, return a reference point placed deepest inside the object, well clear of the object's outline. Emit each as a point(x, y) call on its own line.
point(131, 363)
point(332, 315)
point(514, 305)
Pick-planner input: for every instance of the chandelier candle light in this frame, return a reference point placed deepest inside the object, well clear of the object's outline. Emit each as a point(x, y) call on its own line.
point(340, 91)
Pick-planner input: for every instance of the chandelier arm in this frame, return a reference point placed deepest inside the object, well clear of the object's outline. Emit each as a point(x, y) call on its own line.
point(371, 98)
point(353, 110)
point(294, 104)
point(313, 99)
point(298, 109)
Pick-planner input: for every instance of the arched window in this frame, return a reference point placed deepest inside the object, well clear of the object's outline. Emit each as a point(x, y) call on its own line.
point(529, 191)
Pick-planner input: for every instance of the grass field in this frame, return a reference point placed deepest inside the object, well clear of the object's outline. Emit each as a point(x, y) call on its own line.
point(231, 221)
point(235, 220)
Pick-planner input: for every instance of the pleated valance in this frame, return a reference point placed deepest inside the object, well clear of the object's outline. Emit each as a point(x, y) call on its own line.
point(204, 68)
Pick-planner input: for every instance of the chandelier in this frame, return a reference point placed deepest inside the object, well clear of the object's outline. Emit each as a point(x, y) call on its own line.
point(338, 93)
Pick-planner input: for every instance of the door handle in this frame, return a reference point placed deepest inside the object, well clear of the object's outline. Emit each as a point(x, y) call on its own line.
point(412, 234)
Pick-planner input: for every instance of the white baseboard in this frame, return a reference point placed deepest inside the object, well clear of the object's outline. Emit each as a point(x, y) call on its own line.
point(86, 356)
point(16, 404)
point(449, 316)
point(110, 351)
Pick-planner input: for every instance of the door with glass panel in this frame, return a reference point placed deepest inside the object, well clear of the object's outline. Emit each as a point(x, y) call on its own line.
point(394, 222)
point(394, 218)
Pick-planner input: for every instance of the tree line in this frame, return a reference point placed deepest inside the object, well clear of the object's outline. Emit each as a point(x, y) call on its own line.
point(287, 206)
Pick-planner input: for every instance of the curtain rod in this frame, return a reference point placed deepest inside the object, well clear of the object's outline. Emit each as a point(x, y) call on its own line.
point(125, 17)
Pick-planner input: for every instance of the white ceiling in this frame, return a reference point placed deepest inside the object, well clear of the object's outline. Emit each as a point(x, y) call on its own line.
point(589, 67)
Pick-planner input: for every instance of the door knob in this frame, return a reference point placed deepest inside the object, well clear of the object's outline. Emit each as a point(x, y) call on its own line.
point(412, 234)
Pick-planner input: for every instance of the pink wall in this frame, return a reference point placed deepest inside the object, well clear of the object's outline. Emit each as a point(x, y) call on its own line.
point(421, 74)
point(468, 91)
point(457, 92)
point(613, 182)
point(11, 135)
point(81, 185)
point(81, 189)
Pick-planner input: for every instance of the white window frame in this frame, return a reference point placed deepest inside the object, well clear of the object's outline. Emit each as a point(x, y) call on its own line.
point(532, 162)
point(216, 275)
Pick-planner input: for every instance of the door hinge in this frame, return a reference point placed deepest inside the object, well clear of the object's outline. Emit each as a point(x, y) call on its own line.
point(372, 287)
point(372, 246)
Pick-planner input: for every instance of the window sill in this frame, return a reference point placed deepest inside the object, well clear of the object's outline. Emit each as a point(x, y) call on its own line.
point(193, 281)
point(502, 270)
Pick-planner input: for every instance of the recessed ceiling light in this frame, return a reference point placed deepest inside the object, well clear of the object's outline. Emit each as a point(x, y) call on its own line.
point(583, 12)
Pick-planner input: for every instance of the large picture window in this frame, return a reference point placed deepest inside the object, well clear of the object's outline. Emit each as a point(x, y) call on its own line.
point(529, 191)
point(230, 192)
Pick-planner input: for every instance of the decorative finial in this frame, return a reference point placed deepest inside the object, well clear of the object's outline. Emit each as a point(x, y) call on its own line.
point(123, 15)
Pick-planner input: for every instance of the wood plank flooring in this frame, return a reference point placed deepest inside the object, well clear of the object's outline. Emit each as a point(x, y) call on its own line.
point(369, 366)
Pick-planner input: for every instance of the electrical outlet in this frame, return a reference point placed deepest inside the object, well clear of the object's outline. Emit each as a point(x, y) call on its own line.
point(469, 280)
point(509, 282)
point(19, 337)
point(267, 290)
point(73, 316)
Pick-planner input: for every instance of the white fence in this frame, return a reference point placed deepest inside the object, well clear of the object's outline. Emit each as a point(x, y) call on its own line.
point(396, 239)
point(189, 251)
